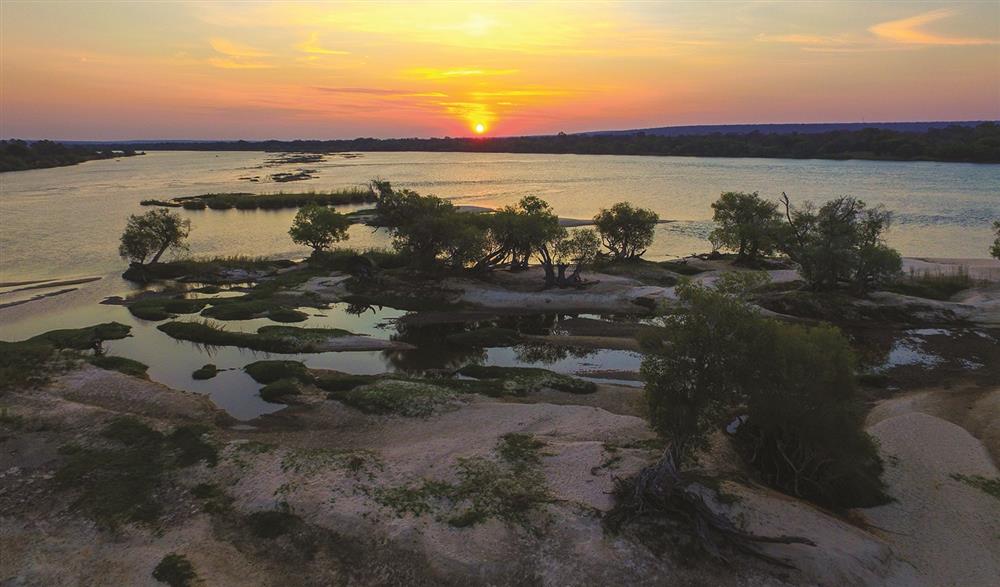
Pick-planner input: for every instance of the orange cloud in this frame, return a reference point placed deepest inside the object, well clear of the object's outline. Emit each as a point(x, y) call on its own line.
point(312, 45)
point(909, 30)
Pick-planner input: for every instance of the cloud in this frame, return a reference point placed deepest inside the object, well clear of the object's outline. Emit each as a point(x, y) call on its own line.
point(234, 49)
point(909, 31)
point(798, 39)
point(223, 63)
point(312, 45)
point(435, 74)
point(380, 92)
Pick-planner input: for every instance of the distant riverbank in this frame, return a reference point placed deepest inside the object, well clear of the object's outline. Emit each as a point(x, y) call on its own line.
point(16, 155)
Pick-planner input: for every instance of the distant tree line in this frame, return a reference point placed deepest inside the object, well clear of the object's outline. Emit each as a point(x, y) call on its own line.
point(971, 144)
point(18, 155)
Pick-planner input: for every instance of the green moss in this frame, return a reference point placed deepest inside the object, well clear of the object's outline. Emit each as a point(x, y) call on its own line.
point(485, 337)
point(120, 364)
point(280, 391)
point(175, 570)
point(271, 371)
point(342, 381)
point(205, 372)
point(119, 482)
point(394, 396)
point(527, 379)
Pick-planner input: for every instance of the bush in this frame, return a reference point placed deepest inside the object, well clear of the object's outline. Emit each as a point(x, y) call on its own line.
point(804, 429)
point(747, 224)
point(175, 570)
point(626, 231)
point(153, 233)
point(840, 242)
point(995, 249)
point(940, 286)
point(205, 372)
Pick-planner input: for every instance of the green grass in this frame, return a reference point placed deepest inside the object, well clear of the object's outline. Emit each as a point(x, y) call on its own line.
point(120, 364)
point(205, 372)
point(212, 334)
point(989, 486)
point(118, 481)
point(342, 381)
point(395, 396)
point(523, 380)
point(280, 391)
point(935, 286)
point(82, 339)
point(213, 499)
point(175, 570)
point(247, 201)
point(303, 335)
point(272, 371)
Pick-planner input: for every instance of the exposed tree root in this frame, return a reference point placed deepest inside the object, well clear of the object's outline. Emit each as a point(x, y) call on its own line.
point(667, 499)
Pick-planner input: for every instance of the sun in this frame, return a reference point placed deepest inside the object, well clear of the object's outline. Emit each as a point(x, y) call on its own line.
point(480, 128)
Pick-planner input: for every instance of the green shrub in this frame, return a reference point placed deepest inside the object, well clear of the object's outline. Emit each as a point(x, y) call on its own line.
point(626, 231)
point(120, 364)
point(747, 224)
point(175, 570)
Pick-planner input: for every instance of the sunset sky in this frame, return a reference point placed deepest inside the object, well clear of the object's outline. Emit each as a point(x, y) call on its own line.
point(227, 70)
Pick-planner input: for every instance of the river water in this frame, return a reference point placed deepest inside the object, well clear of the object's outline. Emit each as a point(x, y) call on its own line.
point(64, 223)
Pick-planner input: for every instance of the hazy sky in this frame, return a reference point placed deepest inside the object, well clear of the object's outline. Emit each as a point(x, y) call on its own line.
point(131, 70)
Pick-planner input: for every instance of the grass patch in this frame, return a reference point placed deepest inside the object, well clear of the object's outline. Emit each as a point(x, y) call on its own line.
point(521, 380)
point(645, 271)
point(82, 339)
point(275, 339)
point(158, 308)
point(175, 570)
point(120, 364)
point(287, 315)
point(395, 396)
point(214, 499)
point(272, 371)
point(342, 381)
point(680, 267)
point(118, 482)
point(984, 484)
point(510, 488)
point(280, 391)
point(489, 336)
point(247, 201)
point(934, 286)
point(205, 372)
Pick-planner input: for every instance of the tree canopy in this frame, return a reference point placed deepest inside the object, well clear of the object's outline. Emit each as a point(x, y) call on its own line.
point(153, 233)
point(625, 230)
point(747, 224)
point(318, 227)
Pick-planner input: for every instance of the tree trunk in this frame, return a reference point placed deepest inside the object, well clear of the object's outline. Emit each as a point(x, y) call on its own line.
point(156, 257)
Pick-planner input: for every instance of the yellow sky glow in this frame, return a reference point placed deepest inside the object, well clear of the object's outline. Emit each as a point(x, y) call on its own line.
point(226, 70)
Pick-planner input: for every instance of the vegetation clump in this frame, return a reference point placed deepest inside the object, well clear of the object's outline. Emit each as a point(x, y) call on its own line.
point(510, 488)
point(995, 248)
point(207, 371)
point(939, 286)
point(86, 338)
point(18, 155)
point(625, 230)
point(118, 482)
point(273, 370)
point(175, 570)
point(29, 363)
point(161, 308)
point(248, 201)
point(271, 524)
point(279, 392)
point(120, 364)
point(523, 380)
point(488, 336)
point(330, 381)
point(396, 396)
point(987, 485)
point(275, 339)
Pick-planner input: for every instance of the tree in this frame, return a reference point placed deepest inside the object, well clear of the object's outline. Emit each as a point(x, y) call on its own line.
point(577, 249)
point(995, 249)
point(626, 231)
point(840, 243)
point(318, 227)
point(747, 224)
point(153, 233)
